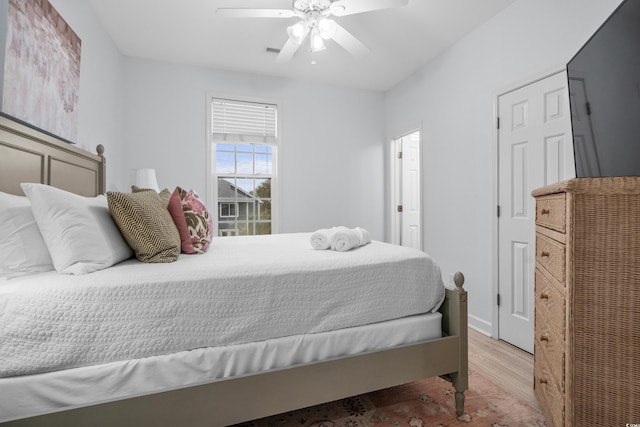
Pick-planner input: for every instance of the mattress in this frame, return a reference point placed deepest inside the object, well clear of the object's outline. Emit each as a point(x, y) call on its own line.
point(244, 289)
point(30, 395)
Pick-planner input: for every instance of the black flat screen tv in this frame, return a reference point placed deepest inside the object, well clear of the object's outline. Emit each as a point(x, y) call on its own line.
point(604, 94)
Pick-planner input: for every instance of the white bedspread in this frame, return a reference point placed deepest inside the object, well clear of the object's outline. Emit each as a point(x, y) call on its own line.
point(243, 289)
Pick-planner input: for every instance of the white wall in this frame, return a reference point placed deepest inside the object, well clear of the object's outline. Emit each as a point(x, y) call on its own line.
point(152, 114)
point(332, 153)
point(452, 99)
point(101, 93)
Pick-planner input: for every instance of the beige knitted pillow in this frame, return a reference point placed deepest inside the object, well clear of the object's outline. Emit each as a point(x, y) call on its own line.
point(146, 225)
point(165, 194)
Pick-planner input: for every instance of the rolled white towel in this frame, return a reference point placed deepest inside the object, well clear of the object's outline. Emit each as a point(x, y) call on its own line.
point(365, 236)
point(321, 239)
point(345, 239)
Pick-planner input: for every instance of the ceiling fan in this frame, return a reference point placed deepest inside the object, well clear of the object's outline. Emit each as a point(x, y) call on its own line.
point(315, 18)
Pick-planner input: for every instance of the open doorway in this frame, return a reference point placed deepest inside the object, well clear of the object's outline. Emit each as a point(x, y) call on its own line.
point(406, 200)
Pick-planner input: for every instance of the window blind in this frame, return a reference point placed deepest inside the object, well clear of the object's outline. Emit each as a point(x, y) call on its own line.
point(240, 121)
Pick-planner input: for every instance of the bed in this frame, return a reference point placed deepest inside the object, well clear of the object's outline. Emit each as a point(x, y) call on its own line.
point(248, 371)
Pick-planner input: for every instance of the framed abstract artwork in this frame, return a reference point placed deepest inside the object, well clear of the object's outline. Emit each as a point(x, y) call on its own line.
point(40, 67)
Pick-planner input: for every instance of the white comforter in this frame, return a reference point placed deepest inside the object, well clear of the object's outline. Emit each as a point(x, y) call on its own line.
point(243, 289)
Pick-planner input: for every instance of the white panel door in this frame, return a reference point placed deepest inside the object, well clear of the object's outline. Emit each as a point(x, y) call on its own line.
point(534, 149)
point(411, 232)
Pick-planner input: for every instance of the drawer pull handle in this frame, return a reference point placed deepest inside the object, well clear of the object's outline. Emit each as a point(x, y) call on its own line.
point(544, 211)
point(544, 254)
point(544, 296)
point(544, 338)
point(543, 381)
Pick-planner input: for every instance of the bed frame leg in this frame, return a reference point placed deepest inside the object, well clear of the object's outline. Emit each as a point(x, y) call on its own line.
point(459, 403)
point(460, 379)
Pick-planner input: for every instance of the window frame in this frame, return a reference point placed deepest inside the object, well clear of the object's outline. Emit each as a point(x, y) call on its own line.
point(210, 155)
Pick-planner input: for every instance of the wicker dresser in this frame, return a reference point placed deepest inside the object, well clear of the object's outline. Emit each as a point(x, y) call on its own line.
point(587, 316)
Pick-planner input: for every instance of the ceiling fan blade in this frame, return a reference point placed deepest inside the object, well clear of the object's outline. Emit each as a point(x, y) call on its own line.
point(256, 13)
point(349, 42)
point(351, 7)
point(288, 50)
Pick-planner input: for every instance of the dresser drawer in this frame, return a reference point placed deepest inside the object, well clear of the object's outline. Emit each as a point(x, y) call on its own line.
point(550, 397)
point(550, 301)
point(551, 255)
point(551, 212)
point(549, 344)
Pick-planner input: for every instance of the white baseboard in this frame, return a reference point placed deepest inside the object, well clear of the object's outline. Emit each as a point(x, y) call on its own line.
point(480, 325)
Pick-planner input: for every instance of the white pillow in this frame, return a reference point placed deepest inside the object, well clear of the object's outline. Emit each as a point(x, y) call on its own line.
point(79, 231)
point(22, 250)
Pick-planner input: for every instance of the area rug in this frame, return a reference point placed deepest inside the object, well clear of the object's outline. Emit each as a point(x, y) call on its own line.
point(427, 403)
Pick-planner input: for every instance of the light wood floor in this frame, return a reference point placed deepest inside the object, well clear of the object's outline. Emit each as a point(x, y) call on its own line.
point(504, 364)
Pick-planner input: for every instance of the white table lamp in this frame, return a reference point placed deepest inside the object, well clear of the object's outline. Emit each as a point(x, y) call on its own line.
point(144, 178)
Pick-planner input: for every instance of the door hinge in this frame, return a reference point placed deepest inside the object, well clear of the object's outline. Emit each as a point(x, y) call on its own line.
point(399, 154)
point(588, 105)
point(497, 122)
point(498, 211)
point(399, 208)
point(498, 300)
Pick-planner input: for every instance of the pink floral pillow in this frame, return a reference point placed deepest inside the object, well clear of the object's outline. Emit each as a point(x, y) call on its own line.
point(192, 220)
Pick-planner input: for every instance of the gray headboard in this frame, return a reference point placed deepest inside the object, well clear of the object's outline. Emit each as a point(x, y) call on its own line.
point(27, 155)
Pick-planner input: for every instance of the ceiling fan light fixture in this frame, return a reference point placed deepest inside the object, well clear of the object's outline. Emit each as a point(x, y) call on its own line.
point(327, 28)
point(317, 42)
point(298, 31)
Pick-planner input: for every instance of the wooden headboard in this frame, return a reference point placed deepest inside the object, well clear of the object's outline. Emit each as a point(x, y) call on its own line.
point(27, 155)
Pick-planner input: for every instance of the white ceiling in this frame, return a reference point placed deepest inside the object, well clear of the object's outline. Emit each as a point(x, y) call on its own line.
point(190, 32)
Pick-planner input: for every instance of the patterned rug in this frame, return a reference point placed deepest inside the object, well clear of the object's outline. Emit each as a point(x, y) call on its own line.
point(427, 403)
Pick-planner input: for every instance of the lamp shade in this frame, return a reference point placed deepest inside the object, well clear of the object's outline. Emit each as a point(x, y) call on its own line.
point(298, 31)
point(327, 27)
point(144, 178)
point(317, 43)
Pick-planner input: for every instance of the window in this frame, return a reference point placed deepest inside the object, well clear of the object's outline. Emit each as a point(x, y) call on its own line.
point(244, 145)
point(228, 210)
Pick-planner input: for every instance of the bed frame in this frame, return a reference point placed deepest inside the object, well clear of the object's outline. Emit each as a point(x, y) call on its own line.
point(27, 155)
